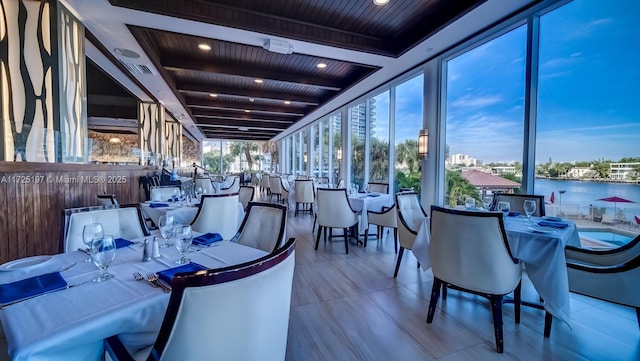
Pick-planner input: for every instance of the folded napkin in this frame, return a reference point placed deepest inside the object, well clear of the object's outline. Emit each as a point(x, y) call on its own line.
point(207, 239)
point(29, 287)
point(513, 214)
point(121, 242)
point(553, 224)
point(552, 219)
point(373, 195)
point(158, 205)
point(167, 275)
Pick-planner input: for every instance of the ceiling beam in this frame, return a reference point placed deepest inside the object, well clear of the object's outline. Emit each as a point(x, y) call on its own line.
point(285, 110)
point(247, 71)
point(221, 114)
point(237, 123)
point(235, 127)
point(213, 119)
point(249, 93)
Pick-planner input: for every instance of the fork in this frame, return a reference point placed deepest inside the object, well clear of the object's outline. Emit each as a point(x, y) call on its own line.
point(153, 279)
point(138, 276)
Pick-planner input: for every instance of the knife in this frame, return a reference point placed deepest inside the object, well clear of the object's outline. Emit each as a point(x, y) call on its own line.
point(43, 294)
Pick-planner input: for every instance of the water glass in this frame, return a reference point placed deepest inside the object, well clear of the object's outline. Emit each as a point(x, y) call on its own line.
point(504, 207)
point(183, 241)
point(469, 203)
point(486, 202)
point(166, 226)
point(103, 251)
point(91, 232)
point(529, 208)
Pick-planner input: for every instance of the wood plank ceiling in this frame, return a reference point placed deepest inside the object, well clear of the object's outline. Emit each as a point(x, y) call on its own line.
point(220, 88)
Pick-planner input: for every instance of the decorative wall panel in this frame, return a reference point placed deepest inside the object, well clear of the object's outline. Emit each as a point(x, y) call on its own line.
point(173, 142)
point(151, 129)
point(190, 153)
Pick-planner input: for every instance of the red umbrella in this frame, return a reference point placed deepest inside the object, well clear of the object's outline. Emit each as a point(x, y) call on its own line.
point(553, 198)
point(615, 201)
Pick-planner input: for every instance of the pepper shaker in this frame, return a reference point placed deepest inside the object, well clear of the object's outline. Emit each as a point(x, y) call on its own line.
point(155, 248)
point(146, 251)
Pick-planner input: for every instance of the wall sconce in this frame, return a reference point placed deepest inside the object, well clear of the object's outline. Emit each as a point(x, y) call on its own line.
point(115, 140)
point(339, 154)
point(423, 143)
point(305, 157)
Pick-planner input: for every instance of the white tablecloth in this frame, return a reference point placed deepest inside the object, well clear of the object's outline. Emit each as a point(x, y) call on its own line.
point(71, 324)
point(542, 254)
point(183, 214)
point(365, 202)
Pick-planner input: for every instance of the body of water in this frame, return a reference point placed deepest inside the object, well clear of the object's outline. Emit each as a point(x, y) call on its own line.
point(586, 193)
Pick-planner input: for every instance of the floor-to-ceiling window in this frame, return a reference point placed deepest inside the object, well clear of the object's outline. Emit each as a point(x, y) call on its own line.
point(358, 131)
point(304, 139)
point(335, 123)
point(379, 137)
point(588, 119)
point(315, 149)
point(325, 144)
point(408, 122)
point(485, 116)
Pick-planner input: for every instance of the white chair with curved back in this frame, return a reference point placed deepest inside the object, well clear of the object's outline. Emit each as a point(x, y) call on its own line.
point(278, 189)
point(469, 251)
point(265, 184)
point(205, 184)
point(516, 202)
point(334, 211)
point(218, 213)
point(263, 226)
point(119, 221)
point(107, 200)
point(409, 216)
point(234, 186)
point(163, 194)
point(304, 195)
point(239, 312)
point(375, 187)
point(245, 195)
point(388, 218)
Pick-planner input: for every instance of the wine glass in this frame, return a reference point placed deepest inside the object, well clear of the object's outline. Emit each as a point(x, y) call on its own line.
point(183, 241)
point(91, 232)
point(198, 192)
point(103, 251)
point(166, 226)
point(469, 203)
point(504, 207)
point(529, 208)
point(486, 202)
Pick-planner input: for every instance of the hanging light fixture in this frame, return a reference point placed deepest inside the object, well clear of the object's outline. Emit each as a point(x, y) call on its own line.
point(423, 143)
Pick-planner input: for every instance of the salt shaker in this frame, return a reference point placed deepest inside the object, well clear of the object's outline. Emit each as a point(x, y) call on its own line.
point(155, 253)
point(146, 251)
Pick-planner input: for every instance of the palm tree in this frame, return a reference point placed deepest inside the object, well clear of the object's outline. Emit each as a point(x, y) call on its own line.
point(459, 188)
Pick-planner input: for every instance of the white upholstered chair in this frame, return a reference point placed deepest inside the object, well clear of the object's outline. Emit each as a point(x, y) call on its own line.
point(469, 251)
point(107, 200)
point(302, 177)
point(218, 213)
point(334, 211)
point(378, 187)
point(611, 275)
point(278, 189)
point(409, 216)
point(239, 312)
point(265, 184)
point(163, 194)
point(516, 202)
point(119, 221)
point(388, 218)
point(304, 195)
point(263, 226)
point(206, 185)
point(245, 195)
point(234, 185)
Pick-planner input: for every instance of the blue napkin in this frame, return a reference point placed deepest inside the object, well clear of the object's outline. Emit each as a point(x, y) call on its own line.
point(33, 286)
point(553, 224)
point(158, 205)
point(373, 195)
point(513, 214)
point(167, 275)
point(121, 242)
point(207, 239)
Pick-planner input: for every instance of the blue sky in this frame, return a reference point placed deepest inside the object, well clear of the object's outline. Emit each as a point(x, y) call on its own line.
point(589, 88)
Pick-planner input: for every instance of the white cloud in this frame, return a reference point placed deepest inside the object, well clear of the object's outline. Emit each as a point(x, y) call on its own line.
point(469, 101)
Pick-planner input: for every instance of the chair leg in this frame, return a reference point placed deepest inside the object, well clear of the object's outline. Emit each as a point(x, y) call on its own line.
point(346, 241)
point(366, 233)
point(638, 315)
point(296, 213)
point(433, 302)
point(395, 273)
point(548, 318)
point(395, 239)
point(496, 310)
point(315, 219)
point(444, 290)
point(318, 236)
point(517, 301)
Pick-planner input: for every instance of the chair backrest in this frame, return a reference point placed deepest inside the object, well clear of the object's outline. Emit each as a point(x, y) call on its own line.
point(409, 216)
point(218, 213)
point(334, 209)
point(322, 180)
point(163, 194)
point(378, 187)
point(516, 202)
point(275, 184)
point(205, 184)
point(637, 219)
point(107, 199)
point(119, 221)
point(263, 226)
point(301, 177)
point(340, 183)
point(264, 182)
point(470, 250)
point(220, 302)
point(245, 195)
point(304, 191)
point(234, 185)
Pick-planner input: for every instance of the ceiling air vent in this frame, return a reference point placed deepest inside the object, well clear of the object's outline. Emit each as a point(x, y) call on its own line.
point(135, 68)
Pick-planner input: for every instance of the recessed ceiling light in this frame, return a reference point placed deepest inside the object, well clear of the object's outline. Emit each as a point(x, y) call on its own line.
point(380, 2)
point(213, 95)
point(247, 111)
point(206, 47)
point(287, 102)
point(252, 100)
point(321, 65)
point(126, 53)
point(258, 81)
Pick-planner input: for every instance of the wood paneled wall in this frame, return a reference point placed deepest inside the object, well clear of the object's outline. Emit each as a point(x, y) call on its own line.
point(33, 195)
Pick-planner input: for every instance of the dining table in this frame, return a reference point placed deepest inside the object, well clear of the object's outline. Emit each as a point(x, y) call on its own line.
point(363, 202)
point(540, 248)
point(71, 323)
